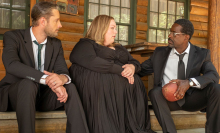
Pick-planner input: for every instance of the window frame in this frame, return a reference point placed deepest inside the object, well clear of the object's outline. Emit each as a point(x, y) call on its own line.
point(27, 17)
point(131, 26)
point(186, 16)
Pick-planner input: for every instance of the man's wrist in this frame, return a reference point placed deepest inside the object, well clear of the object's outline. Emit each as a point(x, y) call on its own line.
point(66, 78)
point(43, 79)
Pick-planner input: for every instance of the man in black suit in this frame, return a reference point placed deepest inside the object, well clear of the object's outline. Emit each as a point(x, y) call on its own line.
point(194, 74)
point(37, 77)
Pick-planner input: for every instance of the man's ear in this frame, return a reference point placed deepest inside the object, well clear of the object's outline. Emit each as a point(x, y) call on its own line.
point(42, 21)
point(187, 37)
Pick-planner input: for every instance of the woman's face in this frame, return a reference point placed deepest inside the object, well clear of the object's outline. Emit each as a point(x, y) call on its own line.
point(110, 34)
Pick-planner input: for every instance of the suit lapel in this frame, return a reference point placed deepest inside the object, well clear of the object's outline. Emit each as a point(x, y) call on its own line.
point(28, 45)
point(48, 53)
point(191, 59)
point(164, 56)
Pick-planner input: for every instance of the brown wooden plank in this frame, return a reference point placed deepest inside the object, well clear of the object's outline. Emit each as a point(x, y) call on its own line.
point(72, 27)
point(144, 78)
point(199, 11)
point(199, 41)
point(141, 18)
point(200, 33)
point(67, 55)
point(200, 3)
point(142, 26)
point(142, 10)
point(2, 74)
point(32, 3)
point(72, 18)
point(200, 25)
point(142, 2)
point(67, 45)
point(68, 63)
point(67, 36)
point(214, 36)
point(2, 68)
point(141, 35)
point(140, 40)
point(1, 43)
point(199, 18)
point(81, 2)
point(81, 10)
point(3, 30)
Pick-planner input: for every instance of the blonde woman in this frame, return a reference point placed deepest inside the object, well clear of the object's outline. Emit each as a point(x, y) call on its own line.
point(113, 96)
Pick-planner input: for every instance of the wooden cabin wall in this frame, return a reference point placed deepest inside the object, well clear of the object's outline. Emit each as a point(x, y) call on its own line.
point(199, 19)
point(2, 68)
point(71, 31)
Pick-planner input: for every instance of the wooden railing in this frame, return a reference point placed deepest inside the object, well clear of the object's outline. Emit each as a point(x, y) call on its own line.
point(2, 68)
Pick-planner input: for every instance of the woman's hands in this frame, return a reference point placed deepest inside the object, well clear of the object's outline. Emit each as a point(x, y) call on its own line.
point(128, 72)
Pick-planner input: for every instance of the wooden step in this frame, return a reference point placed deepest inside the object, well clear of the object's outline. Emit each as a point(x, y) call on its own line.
point(182, 120)
point(196, 130)
point(46, 122)
point(55, 121)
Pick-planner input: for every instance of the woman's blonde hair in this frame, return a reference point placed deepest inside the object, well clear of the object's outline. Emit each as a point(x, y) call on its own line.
point(98, 29)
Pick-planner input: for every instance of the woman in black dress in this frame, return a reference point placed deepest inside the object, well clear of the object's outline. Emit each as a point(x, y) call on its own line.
point(113, 96)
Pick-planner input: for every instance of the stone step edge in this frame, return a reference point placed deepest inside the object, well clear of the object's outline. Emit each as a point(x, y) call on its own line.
point(61, 114)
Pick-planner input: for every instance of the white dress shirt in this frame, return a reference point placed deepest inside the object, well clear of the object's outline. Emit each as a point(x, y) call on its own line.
point(171, 68)
point(35, 52)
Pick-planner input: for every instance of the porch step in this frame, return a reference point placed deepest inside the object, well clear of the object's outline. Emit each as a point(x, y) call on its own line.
point(182, 120)
point(196, 130)
point(55, 121)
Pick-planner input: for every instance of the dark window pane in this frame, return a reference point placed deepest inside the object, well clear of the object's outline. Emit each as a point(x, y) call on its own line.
point(160, 36)
point(154, 5)
point(125, 15)
point(115, 13)
point(115, 2)
point(152, 35)
point(153, 19)
point(171, 7)
point(162, 20)
point(163, 6)
point(104, 10)
point(5, 18)
point(125, 3)
point(123, 33)
point(18, 19)
point(19, 4)
point(93, 10)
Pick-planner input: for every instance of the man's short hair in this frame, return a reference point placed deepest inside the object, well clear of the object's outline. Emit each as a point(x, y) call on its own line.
point(188, 27)
point(42, 9)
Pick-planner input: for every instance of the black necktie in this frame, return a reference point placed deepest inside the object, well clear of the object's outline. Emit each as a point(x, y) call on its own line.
point(39, 61)
point(181, 75)
point(39, 54)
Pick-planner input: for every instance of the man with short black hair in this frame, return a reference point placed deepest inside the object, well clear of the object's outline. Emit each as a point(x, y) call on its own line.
point(37, 76)
point(196, 77)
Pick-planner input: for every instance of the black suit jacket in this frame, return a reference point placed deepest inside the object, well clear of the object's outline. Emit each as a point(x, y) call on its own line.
point(199, 66)
point(19, 63)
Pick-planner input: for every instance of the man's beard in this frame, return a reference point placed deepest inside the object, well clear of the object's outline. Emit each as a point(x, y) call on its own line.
point(50, 33)
point(171, 45)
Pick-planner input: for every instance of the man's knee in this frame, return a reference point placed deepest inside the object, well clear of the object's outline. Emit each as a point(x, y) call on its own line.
point(70, 88)
point(157, 91)
point(28, 87)
point(214, 89)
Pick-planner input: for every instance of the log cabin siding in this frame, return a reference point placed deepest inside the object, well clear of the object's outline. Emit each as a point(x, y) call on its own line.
point(199, 18)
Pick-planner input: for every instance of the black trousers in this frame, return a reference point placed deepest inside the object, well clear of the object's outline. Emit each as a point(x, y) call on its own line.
point(208, 98)
point(24, 100)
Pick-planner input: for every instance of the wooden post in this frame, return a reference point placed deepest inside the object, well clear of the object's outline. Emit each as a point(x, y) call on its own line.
point(214, 33)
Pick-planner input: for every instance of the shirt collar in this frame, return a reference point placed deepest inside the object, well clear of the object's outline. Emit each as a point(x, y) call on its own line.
point(33, 38)
point(173, 51)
